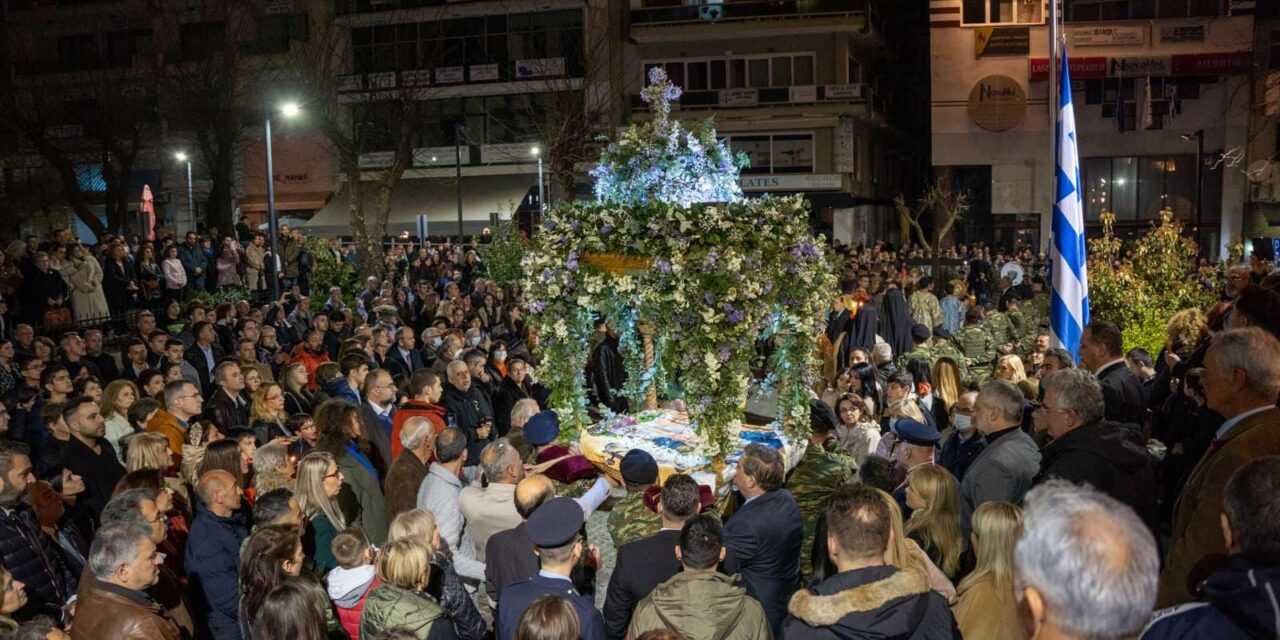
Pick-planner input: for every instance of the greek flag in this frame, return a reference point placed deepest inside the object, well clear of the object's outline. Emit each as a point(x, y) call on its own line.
point(1069, 310)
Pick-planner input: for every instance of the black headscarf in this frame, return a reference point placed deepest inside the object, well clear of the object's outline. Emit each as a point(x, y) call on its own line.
point(862, 333)
point(895, 321)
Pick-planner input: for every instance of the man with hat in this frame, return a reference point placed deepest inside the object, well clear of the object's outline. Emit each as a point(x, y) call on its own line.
point(554, 531)
point(630, 519)
point(573, 470)
point(915, 446)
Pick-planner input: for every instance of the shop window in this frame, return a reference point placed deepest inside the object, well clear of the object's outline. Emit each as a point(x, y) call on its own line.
point(1003, 12)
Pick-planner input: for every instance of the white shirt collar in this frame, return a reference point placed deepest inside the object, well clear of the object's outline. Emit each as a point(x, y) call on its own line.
point(1099, 370)
point(379, 409)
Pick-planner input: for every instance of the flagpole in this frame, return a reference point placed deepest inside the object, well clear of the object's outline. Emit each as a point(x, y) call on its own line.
point(1053, 108)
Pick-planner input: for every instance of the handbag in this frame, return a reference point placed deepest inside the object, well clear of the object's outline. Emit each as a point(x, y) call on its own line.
point(57, 319)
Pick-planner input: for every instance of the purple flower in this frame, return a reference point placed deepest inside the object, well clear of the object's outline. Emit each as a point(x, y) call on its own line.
point(550, 225)
point(735, 316)
point(725, 354)
point(547, 274)
point(572, 263)
point(664, 266)
point(708, 298)
point(711, 258)
point(537, 306)
point(606, 230)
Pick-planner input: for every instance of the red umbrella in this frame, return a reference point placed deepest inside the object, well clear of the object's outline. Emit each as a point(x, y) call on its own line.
point(149, 208)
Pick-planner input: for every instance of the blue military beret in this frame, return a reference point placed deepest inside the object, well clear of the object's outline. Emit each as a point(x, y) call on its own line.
point(917, 433)
point(542, 428)
point(555, 523)
point(638, 467)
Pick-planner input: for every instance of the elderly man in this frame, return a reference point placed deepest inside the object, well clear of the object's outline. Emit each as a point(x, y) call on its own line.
point(470, 407)
point(89, 455)
point(523, 411)
point(406, 474)
point(376, 415)
point(141, 507)
point(1085, 566)
point(1241, 382)
point(764, 535)
point(1004, 470)
point(182, 404)
point(1085, 448)
point(212, 556)
point(440, 493)
point(113, 601)
point(228, 408)
point(868, 597)
point(1102, 352)
point(492, 509)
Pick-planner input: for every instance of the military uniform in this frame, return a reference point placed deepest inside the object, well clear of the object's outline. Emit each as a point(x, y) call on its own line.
point(1000, 328)
point(978, 348)
point(925, 309)
point(922, 351)
point(945, 348)
point(818, 475)
point(631, 520)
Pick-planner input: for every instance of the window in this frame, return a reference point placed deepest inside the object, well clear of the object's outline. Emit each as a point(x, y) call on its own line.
point(740, 72)
point(1097, 10)
point(775, 153)
point(1136, 189)
point(1003, 11)
point(275, 32)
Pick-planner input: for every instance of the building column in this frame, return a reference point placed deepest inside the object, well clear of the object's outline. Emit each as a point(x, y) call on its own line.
point(1235, 185)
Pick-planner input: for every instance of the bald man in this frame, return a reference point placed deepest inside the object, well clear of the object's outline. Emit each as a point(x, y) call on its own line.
point(213, 553)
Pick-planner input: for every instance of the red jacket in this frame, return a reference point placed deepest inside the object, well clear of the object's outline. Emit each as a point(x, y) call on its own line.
point(350, 618)
point(310, 361)
point(434, 412)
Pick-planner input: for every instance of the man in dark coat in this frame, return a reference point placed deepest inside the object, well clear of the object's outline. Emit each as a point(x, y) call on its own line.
point(470, 409)
point(553, 530)
point(515, 386)
point(763, 537)
point(867, 598)
point(205, 354)
point(227, 407)
point(30, 556)
point(377, 416)
point(1086, 448)
point(89, 454)
point(212, 556)
point(403, 359)
point(605, 372)
point(1102, 352)
point(648, 562)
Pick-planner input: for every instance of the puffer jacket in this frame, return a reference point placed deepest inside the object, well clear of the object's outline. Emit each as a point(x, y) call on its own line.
point(701, 605)
point(389, 607)
point(348, 589)
point(1238, 602)
point(455, 600)
point(33, 559)
point(104, 610)
point(212, 559)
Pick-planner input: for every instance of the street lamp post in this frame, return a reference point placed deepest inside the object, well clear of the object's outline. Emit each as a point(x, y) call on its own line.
point(181, 156)
point(288, 110)
point(457, 157)
point(542, 201)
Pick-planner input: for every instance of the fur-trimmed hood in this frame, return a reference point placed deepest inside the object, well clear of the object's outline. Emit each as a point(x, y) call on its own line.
point(824, 611)
point(880, 602)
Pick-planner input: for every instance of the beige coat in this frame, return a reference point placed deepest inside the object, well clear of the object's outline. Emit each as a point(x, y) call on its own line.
point(984, 612)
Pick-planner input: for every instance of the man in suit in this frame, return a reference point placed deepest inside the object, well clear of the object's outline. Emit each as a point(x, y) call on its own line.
point(403, 359)
point(1241, 381)
point(376, 415)
point(1102, 352)
point(227, 408)
point(204, 354)
point(764, 535)
point(648, 562)
point(553, 530)
point(1004, 468)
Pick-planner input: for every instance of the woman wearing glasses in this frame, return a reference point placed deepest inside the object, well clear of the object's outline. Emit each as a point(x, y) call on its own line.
point(319, 481)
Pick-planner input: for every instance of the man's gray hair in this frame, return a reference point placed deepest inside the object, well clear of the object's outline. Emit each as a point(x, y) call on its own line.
point(881, 353)
point(126, 507)
point(1253, 351)
point(415, 431)
point(496, 457)
point(1090, 557)
point(1002, 396)
point(1062, 356)
point(1078, 391)
point(173, 391)
point(270, 457)
point(524, 409)
point(115, 545)
point(455, 365)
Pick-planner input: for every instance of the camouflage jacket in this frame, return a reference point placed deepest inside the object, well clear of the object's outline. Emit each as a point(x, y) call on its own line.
point(925, 309)
point(631, 520)
point(818, 475)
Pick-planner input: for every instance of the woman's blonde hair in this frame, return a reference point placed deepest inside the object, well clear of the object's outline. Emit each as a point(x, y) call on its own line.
point(946, 380)
point(110, 396)
point(1015, 363)
point(938, 523)
point(899, 554)
point(1185, 330)
point(904, 408)
point(996, 529)
point(259, 410)
point(414, 524)
point(310, 489)
point(148, 451)
point(405, 563)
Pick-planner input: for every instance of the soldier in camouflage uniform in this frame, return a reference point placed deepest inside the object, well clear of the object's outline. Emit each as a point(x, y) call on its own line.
point(925, 308)
point(977, 345)
point(1000, 327)
point(630, 519)
point(922, 348)
point(944, 346)
point(820, 473)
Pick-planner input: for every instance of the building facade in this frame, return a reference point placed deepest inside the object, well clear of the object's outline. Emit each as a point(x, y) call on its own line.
point(1161, 92)
point(787, 84)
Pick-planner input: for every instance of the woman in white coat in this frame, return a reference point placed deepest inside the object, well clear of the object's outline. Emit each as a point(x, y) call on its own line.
point(84, 274)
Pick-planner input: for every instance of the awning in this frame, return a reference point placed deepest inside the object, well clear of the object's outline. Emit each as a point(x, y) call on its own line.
point(437, 198)
point(299, 201)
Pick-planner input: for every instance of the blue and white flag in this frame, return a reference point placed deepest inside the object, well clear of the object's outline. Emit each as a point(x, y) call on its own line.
point(1069, 310)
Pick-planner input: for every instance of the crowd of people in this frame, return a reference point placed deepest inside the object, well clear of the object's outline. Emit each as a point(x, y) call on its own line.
point(383, 464)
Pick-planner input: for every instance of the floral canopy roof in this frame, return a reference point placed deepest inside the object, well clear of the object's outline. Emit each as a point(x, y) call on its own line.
point(672, 244)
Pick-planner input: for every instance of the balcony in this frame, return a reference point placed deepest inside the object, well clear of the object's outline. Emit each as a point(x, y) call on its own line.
point(703, 11)
point(858, 94)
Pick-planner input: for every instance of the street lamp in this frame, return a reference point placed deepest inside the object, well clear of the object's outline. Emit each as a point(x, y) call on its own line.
point(1198, 137)
point(542, 206)
point(182, 156)
point(288, 110)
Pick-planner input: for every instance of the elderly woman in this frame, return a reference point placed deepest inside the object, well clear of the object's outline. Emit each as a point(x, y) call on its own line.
point(273, 468)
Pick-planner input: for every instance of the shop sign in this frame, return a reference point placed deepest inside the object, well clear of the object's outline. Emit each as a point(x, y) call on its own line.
point(1182, 33)
point(1001, 41)
point(791, 182)
point(1107, 36)
point(997, 103)
point(1140, 66)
